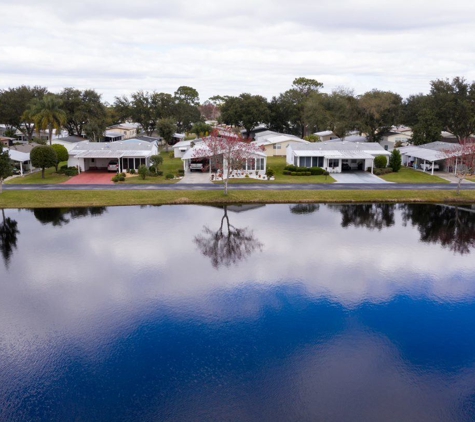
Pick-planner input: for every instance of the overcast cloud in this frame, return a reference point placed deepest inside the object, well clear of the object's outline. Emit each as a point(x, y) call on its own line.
point(234, 46)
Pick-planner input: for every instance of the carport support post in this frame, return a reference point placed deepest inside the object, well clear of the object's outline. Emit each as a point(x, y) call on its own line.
point(21, 168)
point(372, 165)
point(424, 166)
point(432, 168)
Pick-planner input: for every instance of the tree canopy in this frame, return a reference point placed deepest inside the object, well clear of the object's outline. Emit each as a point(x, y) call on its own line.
point(43, 157)
point(377, 112)
point(246, 110)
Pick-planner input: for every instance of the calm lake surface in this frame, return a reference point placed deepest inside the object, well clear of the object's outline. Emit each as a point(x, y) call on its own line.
point(252, 313)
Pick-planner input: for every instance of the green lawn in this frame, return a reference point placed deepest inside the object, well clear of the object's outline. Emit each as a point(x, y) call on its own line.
point(47, 199)
point(169, 165)
point(407, 175)
point(51, 177)
point(277, 164)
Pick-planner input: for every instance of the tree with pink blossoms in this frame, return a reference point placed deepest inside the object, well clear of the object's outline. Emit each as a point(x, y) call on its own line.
point(461, 160)
point(227, 152)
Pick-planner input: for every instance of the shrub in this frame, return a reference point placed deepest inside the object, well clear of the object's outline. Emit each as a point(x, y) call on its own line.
point(269, 173)
point(301, 169)
point(287, 172)
point(143, 171)
point(395, 160)
point(119, 177)
point(169, 176)
point(380, 162)
point(290, 168)
point(61, 154)
point(316, 171)
point(380, 172)
point(159, 173)
point(181, 172)
point(132, 171)
point(64, 167)
point(326, 174)
point(152, 169)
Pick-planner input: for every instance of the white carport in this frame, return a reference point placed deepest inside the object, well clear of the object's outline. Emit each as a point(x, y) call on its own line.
point(20, 157)
point(423, 155)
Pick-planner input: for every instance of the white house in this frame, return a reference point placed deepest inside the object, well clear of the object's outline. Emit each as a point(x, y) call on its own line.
point(335, 157)
point(275, 144)
point(130, 154)
point(181, 147)
point(197, 158)
point(20, 154)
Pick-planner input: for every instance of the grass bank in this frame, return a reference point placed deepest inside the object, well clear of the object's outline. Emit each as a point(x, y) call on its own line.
point(48, 199)
point(407, 175)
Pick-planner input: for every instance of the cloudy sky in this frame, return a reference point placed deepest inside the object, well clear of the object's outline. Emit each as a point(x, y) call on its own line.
point(234, 46)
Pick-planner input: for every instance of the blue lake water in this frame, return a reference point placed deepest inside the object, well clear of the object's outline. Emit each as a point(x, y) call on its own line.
point(252, 313)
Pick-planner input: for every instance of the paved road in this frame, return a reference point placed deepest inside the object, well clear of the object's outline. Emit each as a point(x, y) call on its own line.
point(256, 186)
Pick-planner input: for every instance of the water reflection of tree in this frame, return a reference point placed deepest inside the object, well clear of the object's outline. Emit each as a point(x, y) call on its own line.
point(227, 245)
point(452, 227)
point(371, 216)
point(304, 208)
point(8, 237)
point(58, 216)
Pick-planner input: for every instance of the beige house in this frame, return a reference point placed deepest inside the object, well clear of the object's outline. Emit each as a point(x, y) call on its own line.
point(326, 135)
point(389, 140)
point(275, 144)
point(127, 130)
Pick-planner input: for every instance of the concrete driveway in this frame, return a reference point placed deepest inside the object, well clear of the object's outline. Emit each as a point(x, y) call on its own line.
point(357, 177)
point(196, 177)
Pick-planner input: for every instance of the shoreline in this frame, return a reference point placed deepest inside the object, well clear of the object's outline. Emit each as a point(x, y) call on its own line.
point(101, 198)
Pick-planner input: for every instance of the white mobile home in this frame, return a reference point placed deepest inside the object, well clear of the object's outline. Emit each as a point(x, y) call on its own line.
point(335, 157)
point(129, 154)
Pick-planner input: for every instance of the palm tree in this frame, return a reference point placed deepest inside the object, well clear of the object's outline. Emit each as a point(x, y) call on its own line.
point(47, 114)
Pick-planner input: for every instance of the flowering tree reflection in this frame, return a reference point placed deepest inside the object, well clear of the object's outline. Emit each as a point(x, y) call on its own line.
point(227, 245)
point(451, 226)
point(8, 237)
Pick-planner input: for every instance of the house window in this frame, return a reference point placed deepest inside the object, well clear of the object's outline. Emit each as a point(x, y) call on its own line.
point(333, 163)
point(296, 161)
point(317, 161)
point(386, 147)
point(306, 162)
point(260, 164)
point(277, 146)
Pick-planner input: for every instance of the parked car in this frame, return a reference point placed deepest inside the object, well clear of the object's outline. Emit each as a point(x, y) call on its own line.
point(196, 166)
point(428, 166)
point(113, 166)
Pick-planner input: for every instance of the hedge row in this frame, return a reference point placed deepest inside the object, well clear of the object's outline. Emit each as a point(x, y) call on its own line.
point(294, 171)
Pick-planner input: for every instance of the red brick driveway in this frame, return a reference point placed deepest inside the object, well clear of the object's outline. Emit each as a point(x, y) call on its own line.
point(91, 178)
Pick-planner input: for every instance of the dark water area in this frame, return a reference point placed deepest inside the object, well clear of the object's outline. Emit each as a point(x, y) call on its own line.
point(249, 313)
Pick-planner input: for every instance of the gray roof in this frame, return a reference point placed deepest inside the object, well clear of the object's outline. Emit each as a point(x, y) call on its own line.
point(350, 138)
point(130, 148)
point(71, 139)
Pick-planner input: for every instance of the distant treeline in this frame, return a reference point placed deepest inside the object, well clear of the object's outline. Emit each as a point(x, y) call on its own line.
point(301, 110)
